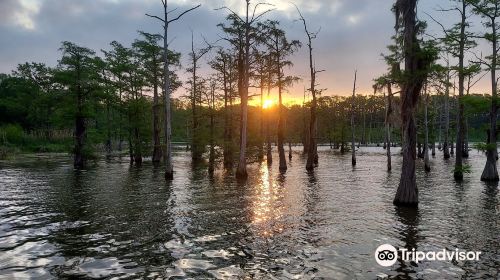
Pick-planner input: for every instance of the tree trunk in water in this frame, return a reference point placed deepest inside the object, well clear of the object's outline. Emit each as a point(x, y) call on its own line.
point(269, 155)
point(446, 150)
point(157, 152)
point(241, 171)
point(407, 194)
point(490, 172)
point(228, 141)
point(137, 148)
point(281, 136)
point(458, 172)
point(108, 120)
point(311, 155)
point(415, 67)
point(427, 164)
point(388, 113)
point(466, 139)
point(244, 65)
point(211, 158)
point(312, 148)
point(261, 131)
point(364, 125)
point(353, 140)
point(120, 134)
point(388, 151)
point(79, 161)
point(440, 129)
point(169, 168)
point(305, 131)
point(196, 146)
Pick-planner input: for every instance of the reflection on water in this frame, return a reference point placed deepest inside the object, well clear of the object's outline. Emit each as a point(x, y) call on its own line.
point(117, 220)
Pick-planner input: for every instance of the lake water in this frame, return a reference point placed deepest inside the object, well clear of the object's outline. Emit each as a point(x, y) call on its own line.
point(120, 221)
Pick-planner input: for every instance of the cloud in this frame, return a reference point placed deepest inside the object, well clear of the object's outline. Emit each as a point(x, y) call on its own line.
point(18, 13)
point(353, 32)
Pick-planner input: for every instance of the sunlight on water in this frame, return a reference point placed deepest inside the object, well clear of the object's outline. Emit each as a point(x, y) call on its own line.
point(266, 205)
point(116, 221)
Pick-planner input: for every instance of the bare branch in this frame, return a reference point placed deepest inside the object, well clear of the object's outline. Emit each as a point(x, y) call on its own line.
point(158, 18)
point(231, 11)
point(183, 13)
point(255, 10)
point(440, 24)
point(261, 15)
point(479, 79)
point(172, 11)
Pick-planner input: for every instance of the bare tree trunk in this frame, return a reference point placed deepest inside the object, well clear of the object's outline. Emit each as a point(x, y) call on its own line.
point(466, 139)
point(241, 171)
point(364, 123)
point(281, 136)
point(458, 172)
point(156, 125)
point(440, 146)
point(228, 157)
point(169, 169)
point(305, 131)
point(261, 131)
point(353, 140)
point(312, 150)
point(80, 127)
point(427, 164)
point(388, 126)
point(79, 160)
point(108, 127)
point(446, 150)
point(211, 159)
point(269, 155)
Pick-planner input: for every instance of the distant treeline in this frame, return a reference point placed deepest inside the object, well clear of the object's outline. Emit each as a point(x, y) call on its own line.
point(37, 115)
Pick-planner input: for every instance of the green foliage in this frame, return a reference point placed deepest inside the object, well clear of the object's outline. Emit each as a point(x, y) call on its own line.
point(465, 169)
point(484, 147)
point(11, 134)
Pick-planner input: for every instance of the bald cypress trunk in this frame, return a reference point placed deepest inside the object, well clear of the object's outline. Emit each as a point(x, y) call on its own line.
point(446, 148)
point(388, 126)
point(269, 155)
point(157, 152)
point(490, 172)
point(415, 67)
point(427, 164)
point(80, 127)
point(353, 146)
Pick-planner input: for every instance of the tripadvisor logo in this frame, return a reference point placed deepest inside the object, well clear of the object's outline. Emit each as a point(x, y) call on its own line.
point(387, 255)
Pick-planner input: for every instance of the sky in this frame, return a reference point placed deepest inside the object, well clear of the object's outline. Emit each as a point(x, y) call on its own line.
point(353, 33)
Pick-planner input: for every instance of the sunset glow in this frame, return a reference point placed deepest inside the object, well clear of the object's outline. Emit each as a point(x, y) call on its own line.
point(268, 103)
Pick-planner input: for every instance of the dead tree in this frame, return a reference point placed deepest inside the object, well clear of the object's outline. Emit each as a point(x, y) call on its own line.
point(169, 168)
point(353, 140)
point(312, 151)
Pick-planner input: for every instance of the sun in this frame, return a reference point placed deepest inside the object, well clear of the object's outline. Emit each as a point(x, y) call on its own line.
point(268, 103)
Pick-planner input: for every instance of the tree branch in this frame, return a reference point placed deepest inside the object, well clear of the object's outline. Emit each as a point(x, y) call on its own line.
point(183, 13)
point(158, 18)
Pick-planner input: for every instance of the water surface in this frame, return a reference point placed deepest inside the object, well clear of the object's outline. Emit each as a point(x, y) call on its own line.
point(115, 220)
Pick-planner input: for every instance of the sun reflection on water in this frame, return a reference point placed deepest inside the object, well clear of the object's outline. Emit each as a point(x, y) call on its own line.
point(267, 206)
